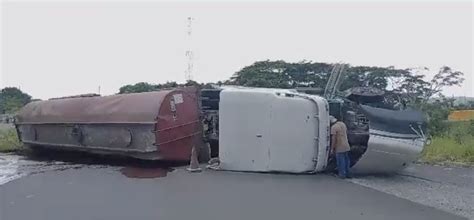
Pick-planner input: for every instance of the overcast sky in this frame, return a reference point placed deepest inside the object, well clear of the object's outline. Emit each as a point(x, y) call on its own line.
point(56, 49)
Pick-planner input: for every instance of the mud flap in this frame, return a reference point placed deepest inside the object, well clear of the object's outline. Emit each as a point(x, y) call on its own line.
point(396, 140)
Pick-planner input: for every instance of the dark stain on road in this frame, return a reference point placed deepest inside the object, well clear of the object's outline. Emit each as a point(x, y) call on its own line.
point(140, 172)
point(133, 168)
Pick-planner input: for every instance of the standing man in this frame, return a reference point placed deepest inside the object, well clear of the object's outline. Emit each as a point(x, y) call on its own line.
point(340, 146)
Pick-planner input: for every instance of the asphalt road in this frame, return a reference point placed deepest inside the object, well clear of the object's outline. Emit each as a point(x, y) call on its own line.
point(446, 188)
point(104, 192)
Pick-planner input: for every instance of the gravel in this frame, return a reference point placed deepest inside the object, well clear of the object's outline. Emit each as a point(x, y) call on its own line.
point(451, 194)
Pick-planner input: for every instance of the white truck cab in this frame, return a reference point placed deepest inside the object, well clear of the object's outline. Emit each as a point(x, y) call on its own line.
point(272, 130)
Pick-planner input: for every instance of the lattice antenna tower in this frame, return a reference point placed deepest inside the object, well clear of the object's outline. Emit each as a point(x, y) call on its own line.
point(188, 73)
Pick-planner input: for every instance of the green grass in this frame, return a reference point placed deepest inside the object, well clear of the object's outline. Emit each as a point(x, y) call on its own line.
point(445, 149)
point(456, 145)
point(9, 140)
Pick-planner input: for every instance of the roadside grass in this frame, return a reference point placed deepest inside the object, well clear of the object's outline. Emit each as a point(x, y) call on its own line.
point(455, 146)
point(9, 140)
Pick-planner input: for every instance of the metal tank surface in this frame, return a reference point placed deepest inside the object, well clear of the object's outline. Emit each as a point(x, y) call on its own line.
point(161, 125)
point(396, 139)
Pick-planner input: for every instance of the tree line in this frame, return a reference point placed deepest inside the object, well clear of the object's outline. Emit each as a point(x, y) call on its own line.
point(407, 85)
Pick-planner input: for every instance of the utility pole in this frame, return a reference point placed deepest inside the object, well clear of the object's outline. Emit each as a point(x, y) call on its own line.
point(188, 73)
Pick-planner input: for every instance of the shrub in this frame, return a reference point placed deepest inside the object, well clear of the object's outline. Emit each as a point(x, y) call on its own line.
point(471, 127)
point(9, 140)
point(456, 144)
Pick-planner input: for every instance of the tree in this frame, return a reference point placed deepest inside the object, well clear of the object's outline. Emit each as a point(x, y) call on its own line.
point(412, 87)
point(280, 74)
point(12, 99)
point(148, 87)
point(262, 74)
point(192, 83)
point(362, 76)
point(425, 95)
point(470, 104)
point(168, 85)
point(138, 87)
point(404, 86)
point(445, 77)
point(437, 112)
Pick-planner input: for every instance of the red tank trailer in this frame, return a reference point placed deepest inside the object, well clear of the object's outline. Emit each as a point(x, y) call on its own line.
point(162, 125)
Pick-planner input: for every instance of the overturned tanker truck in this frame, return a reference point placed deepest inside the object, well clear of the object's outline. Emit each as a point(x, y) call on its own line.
point(249, 129)
point(162, 125)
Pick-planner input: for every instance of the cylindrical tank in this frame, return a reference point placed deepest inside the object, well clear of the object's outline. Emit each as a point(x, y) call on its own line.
point(151, 125)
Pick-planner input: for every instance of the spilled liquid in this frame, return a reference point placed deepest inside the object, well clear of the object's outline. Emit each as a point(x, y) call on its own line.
point(9, 168)
point(13, 166)
point(140, 172)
